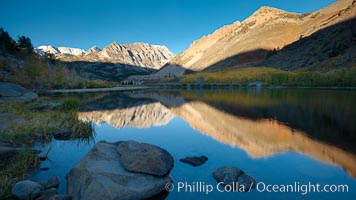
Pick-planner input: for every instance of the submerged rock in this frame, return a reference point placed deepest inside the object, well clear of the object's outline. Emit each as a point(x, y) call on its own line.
point(235, 177)
point(246, 182)
point(52, 182)
point(48, 194)
point(63, 135)
point(228, 175)
point(26, 190)
point(145, 158)
point(100, 175)
point(14, 92)
point(44, 168)
point(194, 161)
point(42, 157)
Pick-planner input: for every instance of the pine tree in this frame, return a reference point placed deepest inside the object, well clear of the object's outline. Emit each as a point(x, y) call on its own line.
point(24, 42)
point(7, 44)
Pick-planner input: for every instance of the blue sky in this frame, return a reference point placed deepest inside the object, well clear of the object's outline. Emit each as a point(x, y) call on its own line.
point(174, 23)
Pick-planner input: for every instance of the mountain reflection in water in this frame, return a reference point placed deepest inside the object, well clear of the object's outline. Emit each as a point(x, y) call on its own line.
point(316, 123)
point(142, 116)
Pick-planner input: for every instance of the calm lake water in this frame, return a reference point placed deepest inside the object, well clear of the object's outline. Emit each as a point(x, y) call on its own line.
point(278, 136)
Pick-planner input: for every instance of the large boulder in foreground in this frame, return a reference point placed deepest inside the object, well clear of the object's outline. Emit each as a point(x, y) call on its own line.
point(14, 92)
point(100, 175)
point(145, 158)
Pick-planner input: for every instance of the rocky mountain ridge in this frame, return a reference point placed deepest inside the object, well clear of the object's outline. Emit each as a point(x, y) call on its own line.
point(137, 54)
point(249, 41)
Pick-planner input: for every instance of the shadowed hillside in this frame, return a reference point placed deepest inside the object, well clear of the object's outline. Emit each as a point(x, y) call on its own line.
point(332, 47)
point(268, 30)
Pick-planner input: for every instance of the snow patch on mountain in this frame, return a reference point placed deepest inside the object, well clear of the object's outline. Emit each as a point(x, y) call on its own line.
point(42, 50)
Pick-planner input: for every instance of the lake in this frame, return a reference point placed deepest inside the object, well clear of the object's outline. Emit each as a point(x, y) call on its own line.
point(278, 136)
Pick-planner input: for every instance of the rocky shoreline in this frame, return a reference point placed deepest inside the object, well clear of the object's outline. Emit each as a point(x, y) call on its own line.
point(93, 90)
point(10, 92)
point(124, 170)
point(29, 190)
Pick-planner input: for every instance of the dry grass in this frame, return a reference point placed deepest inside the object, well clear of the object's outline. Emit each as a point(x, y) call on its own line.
point(39, 127)
point(16, 170)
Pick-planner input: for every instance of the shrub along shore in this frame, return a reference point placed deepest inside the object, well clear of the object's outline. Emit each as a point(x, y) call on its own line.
point(338, 77)
point(32, 123)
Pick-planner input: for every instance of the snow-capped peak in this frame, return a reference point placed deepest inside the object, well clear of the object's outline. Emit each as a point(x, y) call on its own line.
point(71, 51)
point(60, 50)
point(46, 49)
